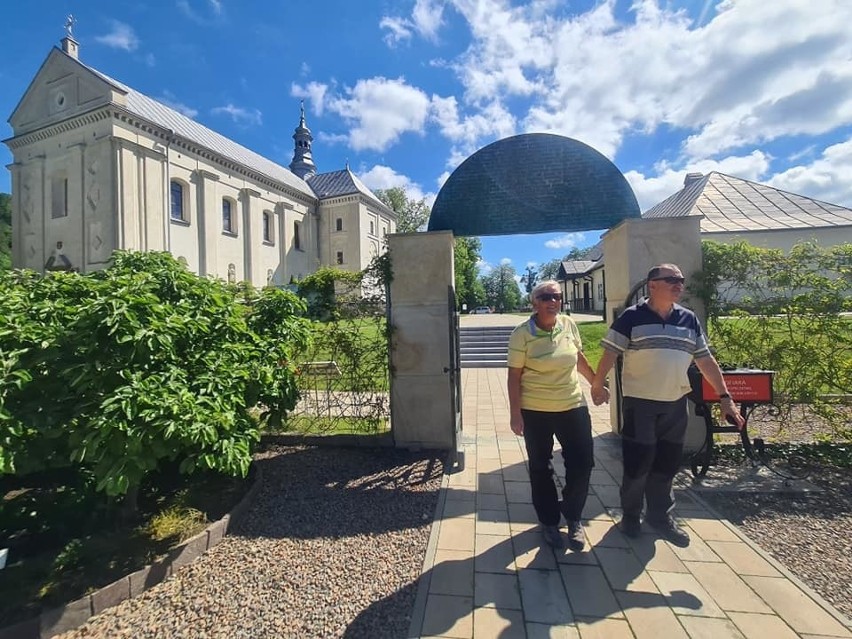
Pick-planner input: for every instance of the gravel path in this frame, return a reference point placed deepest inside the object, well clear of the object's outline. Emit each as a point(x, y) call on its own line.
point(807, 533)
point(332, 547)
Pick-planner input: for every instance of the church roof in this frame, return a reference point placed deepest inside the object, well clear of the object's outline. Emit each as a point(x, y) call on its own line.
point(158, 113)
point(730, 204)
point(337, 183)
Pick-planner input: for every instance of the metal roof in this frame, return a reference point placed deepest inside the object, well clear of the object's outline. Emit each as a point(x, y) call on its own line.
point(731, 204)
point(158, 113)
point(578, 267)
point(338, 183)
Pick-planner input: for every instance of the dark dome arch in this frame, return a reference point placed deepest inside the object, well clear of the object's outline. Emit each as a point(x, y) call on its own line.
point(533, 183)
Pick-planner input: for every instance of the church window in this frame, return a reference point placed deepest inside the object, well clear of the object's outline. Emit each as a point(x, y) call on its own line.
point(297, 240)
point(340, 257)
point(228, 222)
point(178, 202)
point(267, 227)
point(339, 225)
point(59, 193)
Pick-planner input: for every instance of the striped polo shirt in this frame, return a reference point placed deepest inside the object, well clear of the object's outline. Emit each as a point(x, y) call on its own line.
point(657, 352)
point(550, 382)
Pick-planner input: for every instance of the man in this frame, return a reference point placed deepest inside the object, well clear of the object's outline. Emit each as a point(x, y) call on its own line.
point(658, 339)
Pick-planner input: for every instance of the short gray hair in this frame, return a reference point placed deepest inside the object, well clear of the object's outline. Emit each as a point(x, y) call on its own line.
point(543, 285)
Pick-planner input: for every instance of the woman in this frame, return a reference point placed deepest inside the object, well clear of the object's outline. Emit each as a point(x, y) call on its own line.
point(545, 399)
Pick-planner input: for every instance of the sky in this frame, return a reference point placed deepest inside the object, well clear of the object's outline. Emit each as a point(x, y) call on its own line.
point(403, 91)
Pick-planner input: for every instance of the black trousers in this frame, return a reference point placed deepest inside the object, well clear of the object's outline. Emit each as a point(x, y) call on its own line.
point(652, 447)
point(573, 429)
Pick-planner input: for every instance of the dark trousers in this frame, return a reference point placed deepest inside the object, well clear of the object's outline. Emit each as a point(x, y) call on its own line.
point(573, 429)
point(652, 446)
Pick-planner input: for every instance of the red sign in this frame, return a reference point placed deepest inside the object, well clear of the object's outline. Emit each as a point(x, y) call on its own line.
point(754, 387)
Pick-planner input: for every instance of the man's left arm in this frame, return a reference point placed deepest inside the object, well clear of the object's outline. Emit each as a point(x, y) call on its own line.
point(709, 367)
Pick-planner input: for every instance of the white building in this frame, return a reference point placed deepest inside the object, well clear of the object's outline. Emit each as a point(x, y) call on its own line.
point(99, 166)
point(732, 210)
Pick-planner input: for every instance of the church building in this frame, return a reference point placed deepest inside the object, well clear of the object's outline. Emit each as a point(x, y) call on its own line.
point(99, 166)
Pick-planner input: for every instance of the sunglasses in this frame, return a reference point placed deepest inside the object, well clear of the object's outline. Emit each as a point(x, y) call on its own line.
point(549, 297)
point(670, 279)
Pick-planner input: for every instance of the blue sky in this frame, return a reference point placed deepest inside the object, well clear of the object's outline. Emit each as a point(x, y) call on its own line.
point(405, 90)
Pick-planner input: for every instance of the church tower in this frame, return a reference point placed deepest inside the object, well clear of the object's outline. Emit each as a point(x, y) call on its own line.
point(303, 164)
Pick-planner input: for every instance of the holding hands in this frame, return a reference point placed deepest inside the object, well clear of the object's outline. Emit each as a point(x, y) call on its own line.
point(600, 394)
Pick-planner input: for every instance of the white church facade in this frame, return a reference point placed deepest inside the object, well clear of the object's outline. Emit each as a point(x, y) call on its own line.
point(98, 166)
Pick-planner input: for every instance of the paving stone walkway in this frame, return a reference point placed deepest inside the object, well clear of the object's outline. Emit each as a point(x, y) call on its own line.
point(487, 575)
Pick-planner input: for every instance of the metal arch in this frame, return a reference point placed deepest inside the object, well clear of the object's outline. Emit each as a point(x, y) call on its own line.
point(533, 183)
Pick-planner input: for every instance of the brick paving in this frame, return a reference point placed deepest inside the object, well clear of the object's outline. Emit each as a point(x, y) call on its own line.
point(487, 573)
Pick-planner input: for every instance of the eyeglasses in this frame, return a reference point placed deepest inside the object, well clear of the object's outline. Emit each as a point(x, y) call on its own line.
point(669, 279)
point(549, 297)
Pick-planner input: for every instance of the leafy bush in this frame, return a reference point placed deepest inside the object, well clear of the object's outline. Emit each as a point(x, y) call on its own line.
point(785, 313)
point(143, 362)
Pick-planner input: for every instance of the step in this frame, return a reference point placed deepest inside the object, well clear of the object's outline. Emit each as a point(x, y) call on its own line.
point(484, 364)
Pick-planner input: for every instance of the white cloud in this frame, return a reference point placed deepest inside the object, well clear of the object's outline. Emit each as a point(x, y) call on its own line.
point(212, 12)
point(532, 264)
point(668, 180)
point(150, 60)
point(506, 261)
point(380, 110)
point(484, 267)
point(122, 36)
point(384, 177)
point(169, 99)
point(315, 92)
point(426, 19)
point(740, 74)
point(567, 241)
point(399, 30)
point(240, 115)
point(827, 178)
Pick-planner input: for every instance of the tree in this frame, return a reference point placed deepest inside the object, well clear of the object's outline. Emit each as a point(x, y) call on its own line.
point(412, 215)
point(5, 231)
point(530, 279)
point(501, 288)
point(469, 288)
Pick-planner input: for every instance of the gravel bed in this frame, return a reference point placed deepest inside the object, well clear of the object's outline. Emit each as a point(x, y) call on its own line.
point(333, 546)
point(808, 533)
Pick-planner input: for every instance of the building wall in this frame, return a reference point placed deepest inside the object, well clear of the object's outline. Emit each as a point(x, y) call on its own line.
point(785, 239)
point(118, 197)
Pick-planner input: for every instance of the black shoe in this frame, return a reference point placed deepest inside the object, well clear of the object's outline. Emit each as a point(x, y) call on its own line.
point(631, 526)
point(576, 539)
point(552, 537)
point(670, 531)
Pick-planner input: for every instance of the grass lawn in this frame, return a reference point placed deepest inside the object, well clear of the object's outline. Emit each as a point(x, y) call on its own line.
point(591, 334)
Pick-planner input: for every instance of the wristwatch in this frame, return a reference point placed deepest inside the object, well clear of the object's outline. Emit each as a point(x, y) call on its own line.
point(724, 396)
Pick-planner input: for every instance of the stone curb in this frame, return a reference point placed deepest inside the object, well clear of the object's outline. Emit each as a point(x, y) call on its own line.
point(383, 440)
point(816, 597)
point(418, 612)
point(76, 613)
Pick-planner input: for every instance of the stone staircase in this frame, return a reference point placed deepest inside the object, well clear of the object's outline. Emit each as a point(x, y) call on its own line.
point(484, 346)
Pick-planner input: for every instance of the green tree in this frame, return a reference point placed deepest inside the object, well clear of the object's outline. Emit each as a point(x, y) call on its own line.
point(412, 215)
point(501, 288)
point(466, 258)
point(5, 231)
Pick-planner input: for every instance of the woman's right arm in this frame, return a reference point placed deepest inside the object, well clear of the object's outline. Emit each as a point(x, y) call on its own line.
point(516, 421)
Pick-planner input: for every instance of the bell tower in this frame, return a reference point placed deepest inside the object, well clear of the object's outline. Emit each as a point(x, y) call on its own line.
point(303, 164)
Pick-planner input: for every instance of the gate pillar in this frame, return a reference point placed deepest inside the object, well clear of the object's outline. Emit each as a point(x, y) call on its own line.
point(422, 381)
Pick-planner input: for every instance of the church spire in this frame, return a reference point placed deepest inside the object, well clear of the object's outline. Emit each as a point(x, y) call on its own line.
point(303, 164)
